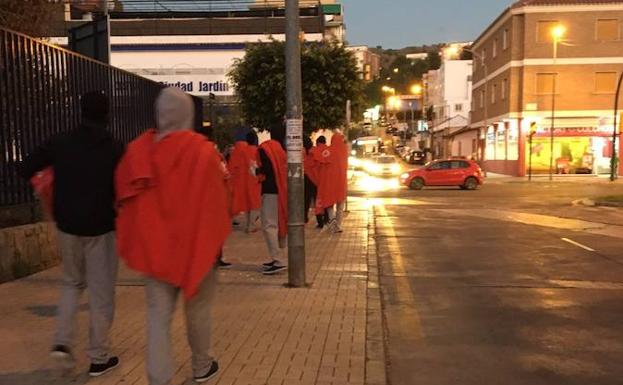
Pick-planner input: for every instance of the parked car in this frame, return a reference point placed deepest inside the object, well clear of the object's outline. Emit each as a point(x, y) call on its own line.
point(383, 166)
point(416, 157)
point(465, 174)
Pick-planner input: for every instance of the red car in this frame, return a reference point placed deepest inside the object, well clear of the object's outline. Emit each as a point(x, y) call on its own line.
point(451, 172)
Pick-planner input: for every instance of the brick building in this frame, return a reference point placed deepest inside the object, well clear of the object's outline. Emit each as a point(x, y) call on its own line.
point(517, 81)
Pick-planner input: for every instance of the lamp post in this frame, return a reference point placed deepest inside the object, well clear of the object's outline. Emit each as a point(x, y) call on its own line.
point(530, 137)
point(477, 56)
point(613, 161)
point(391, 91)
point(558, 33)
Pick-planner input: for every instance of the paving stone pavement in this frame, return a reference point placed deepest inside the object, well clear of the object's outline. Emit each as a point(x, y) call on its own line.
point(263, 333)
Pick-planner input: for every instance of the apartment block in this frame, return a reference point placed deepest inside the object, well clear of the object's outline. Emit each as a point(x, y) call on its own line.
point(548, 68)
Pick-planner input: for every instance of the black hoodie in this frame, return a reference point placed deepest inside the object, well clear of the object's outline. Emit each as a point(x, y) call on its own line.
point(84, 163)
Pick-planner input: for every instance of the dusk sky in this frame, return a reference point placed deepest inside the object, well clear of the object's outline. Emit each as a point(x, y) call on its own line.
point(401, 23)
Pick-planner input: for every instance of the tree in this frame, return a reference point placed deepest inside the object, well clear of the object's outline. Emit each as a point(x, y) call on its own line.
point(330, 78)
point(32, 17)
point(434, 60)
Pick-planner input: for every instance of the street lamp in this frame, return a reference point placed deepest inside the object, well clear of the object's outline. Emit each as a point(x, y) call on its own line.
point(451, 52)
point(416, 89)
point(558, 33)
point(478, 56)
point(388, 90)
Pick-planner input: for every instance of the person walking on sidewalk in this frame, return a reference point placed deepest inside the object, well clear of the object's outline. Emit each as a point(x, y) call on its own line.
point(272, 170)
point(208, 133)
point(83, 163)
point(333, 184)
point(246, 197)
point(172, 223)
point(311, 179)
point(317, 156)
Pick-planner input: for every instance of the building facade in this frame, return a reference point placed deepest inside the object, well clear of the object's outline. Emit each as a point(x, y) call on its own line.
point(529, 85)
point(368, 63)
point(195, 49)
point(447, 93)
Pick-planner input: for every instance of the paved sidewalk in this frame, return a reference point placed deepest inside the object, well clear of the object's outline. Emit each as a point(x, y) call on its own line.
point(264, 333)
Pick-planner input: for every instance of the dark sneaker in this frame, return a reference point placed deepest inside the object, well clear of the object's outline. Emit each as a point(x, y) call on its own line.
point(63, 357)
point(268, 265)
point(274, 269)
point(97, 370)
point(210, 374)
point(223, 265)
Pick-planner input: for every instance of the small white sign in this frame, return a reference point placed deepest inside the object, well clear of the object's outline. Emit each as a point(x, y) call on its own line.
point(294, 140)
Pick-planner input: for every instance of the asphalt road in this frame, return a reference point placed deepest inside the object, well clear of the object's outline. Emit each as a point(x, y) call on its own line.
point(494, 287)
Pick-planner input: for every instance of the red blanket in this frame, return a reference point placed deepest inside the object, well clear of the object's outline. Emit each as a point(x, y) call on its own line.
point(246, 189)
point(333, 165)
point(43, 184)
point(278, 159)
point(173, 218)
point(311, 167)
point(255, 187)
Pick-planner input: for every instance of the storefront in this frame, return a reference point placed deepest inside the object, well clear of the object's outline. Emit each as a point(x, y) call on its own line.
point(510, 150)
point(576, 151)
point(502, 142)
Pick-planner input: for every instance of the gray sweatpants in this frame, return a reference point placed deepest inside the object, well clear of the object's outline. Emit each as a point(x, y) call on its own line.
point(161, 299)
point(270, 227)
point(250, 219)
point(337, 212)
point(91, 263)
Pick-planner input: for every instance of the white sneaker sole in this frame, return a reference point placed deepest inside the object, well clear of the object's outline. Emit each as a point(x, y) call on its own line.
point(273, 272)
point(63, 360)
point(206, 379)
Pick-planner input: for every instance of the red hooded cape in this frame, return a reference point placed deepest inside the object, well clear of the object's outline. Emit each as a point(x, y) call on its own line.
point(311, 166)
point(173, 218)
point(246, 189)
point(278, 159)
point(333, 167)
point(255, 187)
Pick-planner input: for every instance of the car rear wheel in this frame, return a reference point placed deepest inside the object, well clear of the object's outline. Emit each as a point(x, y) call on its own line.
point(470, 183)
point(416, 184)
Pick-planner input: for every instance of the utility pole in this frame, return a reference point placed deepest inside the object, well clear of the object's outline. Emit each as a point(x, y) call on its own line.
point(613, 162)
point(294, 144)
point(346, 134)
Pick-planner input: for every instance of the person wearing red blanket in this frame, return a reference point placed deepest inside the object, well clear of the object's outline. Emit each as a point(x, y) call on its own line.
point(311, 177)
point(332, 181)
point(172, 222)
point(316, 156)
point(246, 197)
point(272, 170)
point(255, 186)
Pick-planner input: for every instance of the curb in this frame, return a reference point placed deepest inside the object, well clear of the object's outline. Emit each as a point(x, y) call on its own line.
point(593, 203)
point(609, 204)
point(376, 368)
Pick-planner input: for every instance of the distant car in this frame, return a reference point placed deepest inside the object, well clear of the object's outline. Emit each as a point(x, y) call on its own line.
point(383, 166)
point(465, 174)
point(416, 157)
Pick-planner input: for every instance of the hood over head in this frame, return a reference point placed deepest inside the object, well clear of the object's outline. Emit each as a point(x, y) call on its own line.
point(175, 111)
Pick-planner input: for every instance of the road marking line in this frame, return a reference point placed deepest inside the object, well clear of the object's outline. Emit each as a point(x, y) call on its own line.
point(578, 244)
point(409, 318)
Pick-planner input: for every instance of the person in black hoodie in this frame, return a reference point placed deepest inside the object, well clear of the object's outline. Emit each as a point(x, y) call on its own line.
point(84, 162)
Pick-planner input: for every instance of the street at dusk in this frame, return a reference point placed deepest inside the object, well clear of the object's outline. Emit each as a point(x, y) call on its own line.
point(311, 192)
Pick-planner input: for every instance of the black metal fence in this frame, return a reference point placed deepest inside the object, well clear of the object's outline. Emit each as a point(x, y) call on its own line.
point(40, 85)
